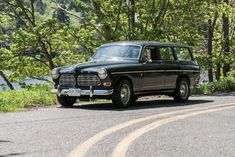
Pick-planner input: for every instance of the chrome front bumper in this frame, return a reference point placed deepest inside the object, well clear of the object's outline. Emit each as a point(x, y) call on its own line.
point(79, 92)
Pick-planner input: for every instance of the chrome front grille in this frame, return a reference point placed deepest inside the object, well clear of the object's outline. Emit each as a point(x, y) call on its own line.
point(67, 80)
point(88, 80)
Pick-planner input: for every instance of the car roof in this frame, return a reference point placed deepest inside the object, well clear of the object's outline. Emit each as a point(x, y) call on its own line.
point(145, 43)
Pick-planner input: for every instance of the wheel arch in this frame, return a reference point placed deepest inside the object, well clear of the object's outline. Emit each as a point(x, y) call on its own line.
point(184, 75)
point(124, 77)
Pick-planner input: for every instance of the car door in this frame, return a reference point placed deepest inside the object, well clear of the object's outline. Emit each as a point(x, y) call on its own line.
point(171, 67)
point(153, 72)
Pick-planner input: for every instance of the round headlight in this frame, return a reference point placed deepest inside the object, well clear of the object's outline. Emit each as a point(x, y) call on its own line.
point(55, 73)
point(102, 73)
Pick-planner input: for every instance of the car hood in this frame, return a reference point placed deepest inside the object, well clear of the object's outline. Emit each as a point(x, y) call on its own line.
point(93, 66)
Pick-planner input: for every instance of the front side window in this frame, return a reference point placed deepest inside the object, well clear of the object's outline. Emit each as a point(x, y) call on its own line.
point(117, 52)
point(183, 54)
point(149, 54)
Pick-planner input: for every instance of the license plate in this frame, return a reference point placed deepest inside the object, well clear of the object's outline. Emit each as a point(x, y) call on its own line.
point(74, 92)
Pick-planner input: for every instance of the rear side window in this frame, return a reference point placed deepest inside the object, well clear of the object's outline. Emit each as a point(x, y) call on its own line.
point(183, 54)
point(166, 54)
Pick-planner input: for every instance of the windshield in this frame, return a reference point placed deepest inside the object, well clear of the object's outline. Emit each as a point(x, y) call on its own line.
point(117, 52)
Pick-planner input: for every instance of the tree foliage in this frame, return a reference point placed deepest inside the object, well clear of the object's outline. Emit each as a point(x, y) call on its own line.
point(38, 35)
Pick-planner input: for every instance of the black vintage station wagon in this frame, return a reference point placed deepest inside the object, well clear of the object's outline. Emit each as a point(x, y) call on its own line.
point(123, 71)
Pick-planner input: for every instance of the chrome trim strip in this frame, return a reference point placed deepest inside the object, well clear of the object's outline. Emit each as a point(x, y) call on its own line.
point(83, 92)
point(127, 72)
point(148, 71)
point(182, 70)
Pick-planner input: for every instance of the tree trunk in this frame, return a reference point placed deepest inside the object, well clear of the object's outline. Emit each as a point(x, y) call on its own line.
point(9, 84)
point(159, 18)
point(131, 18)
point(211, 28)
point(218, 71)
point(226, 47)
point(209, 50)
point(132, 13)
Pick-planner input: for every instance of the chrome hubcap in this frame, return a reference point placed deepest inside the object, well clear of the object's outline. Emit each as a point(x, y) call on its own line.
point(125, 94)
point(184, 90)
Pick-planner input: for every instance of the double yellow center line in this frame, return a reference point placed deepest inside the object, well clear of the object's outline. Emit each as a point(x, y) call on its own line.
point(122, 147)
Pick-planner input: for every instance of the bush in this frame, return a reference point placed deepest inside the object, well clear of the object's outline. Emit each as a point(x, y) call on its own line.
point(224, 84)
point(14, 100)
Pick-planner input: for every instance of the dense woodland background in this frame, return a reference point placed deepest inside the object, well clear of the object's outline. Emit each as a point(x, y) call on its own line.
point(39, 35)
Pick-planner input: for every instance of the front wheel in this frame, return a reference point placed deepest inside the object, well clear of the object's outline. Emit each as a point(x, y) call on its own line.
point(66, 101)
point(123, 94)
point(182, 90)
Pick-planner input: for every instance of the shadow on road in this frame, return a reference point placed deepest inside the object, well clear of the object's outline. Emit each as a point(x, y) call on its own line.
point(4, 141)
point(139, 105)
point(12, 154)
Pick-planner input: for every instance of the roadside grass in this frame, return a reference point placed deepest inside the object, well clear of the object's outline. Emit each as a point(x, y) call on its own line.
point(17, 100)
point(30, 97)
point(40, 95)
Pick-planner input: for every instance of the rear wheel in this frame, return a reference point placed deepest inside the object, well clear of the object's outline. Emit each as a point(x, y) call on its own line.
point(66, 101)
point(123, 94)
point(182, 90)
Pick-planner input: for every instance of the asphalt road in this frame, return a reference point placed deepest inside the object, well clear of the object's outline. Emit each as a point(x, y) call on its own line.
point(204, 126)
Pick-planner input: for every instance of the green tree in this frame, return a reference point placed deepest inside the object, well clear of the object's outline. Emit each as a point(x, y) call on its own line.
point(4, 66)
point(40, 45)
point(44, 34)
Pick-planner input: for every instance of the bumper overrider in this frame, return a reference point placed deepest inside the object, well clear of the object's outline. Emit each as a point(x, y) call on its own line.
point(76, 92)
